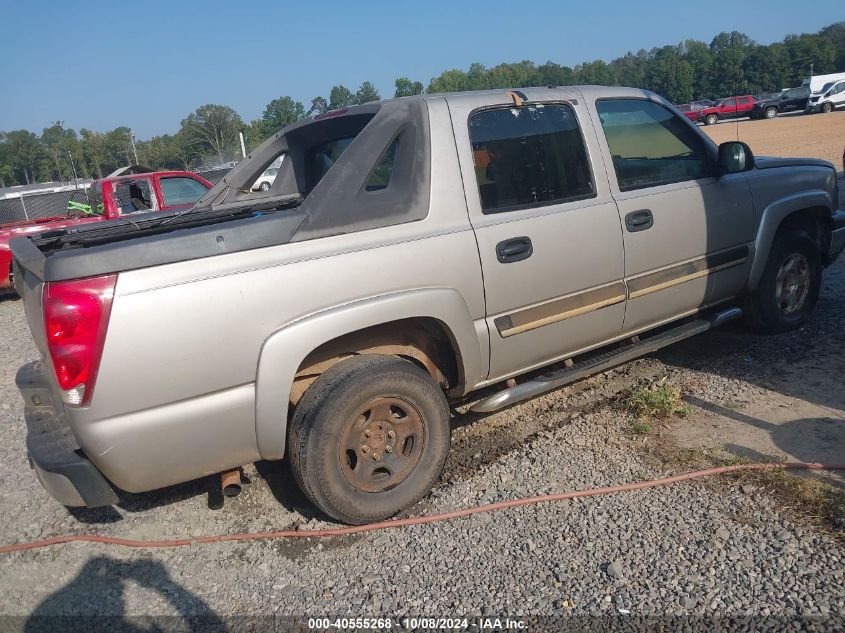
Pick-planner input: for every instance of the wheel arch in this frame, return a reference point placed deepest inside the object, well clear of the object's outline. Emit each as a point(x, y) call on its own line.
point(393, 323)
point(808, 210)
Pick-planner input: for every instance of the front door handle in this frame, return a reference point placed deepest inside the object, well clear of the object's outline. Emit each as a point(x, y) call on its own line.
point(514, 250)
point(639, 220)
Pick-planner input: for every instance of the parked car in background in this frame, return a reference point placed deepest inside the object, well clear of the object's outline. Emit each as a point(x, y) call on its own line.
point(266, 179)
point(702, 103)
point(817, 82)
point(830, 97)
point(108, 199)
point(792, 100)
point(688, 111)
point(335, 319)
point(730, 108)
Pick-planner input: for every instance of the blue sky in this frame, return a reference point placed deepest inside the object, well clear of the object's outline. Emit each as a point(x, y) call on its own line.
point(148, 64)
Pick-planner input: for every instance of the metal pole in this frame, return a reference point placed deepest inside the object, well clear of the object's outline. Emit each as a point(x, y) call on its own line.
point(23, 206)
point(243, 146)
point(73, 169)
point(132, 141)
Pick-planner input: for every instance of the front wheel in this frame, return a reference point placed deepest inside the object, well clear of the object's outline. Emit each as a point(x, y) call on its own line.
point(264, 186)
point(369, 438)
point(789, 287)
point(827, 108)
point(711, 119)
point(771, 113)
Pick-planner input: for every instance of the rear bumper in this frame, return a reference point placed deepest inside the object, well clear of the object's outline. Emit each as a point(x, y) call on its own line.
point(837, 238)
point(53, 452)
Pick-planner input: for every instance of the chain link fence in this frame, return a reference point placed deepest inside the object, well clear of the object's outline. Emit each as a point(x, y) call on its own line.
point(37, 205)
point(214, 175)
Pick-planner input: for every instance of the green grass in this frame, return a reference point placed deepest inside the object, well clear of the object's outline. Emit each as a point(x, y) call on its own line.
point(654, 401)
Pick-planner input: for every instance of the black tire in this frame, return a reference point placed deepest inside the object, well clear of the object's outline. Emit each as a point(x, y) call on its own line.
point(827, 108)
point(771, 113)
point(764, 312)
point(711, 119)
point(264, 186)
point(327, 413)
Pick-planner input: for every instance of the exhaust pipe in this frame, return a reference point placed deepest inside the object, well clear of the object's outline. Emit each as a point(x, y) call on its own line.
point(230, 482)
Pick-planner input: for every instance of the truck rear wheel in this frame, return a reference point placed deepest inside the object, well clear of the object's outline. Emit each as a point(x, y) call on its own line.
point(789, 287)
point(369, 438)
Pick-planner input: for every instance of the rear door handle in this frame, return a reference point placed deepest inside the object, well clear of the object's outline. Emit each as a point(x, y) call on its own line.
point(514, 250)
point(639, 220)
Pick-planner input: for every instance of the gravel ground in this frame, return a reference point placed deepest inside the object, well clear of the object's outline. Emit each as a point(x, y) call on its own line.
point(697, 552)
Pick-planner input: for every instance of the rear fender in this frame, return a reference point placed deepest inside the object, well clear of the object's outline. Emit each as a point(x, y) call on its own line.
point(284, 351)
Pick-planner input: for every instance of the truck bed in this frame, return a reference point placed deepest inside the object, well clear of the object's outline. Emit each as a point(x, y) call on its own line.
point(152, 239)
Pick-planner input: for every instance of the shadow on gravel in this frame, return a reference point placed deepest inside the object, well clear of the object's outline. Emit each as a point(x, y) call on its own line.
point(283, 486)
point(801, 437)
point(806, 364)
point(142, 502)
point(94, 601)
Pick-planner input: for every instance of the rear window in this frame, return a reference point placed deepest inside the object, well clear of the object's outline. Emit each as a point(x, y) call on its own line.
point(320, 158)
point(528, 156)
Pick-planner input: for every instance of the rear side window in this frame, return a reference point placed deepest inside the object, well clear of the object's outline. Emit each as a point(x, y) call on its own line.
point(651, 145)
point(380, 177)
point(178, 190)
point(528, 156)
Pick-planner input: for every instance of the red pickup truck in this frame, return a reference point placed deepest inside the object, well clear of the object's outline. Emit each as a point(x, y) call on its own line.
point(731, 108)
point(119, 196)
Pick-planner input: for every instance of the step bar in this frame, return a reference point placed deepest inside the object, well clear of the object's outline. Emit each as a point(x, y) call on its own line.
point(601, 362)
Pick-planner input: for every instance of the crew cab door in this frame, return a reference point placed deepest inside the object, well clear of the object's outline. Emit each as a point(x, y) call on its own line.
point(686, 231)
point(548, 232)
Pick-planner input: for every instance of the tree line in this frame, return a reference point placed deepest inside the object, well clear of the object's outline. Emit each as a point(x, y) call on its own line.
point(731, 64)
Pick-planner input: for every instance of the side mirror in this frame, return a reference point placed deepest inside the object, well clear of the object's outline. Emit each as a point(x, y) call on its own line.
point(734, 157)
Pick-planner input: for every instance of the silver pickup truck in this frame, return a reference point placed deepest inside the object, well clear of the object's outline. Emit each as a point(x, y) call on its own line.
point(409, 253)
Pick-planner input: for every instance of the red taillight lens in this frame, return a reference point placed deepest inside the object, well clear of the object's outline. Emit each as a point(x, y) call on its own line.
point(76, 316)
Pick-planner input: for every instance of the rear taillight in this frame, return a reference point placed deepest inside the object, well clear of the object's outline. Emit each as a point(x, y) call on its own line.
point(76, 316)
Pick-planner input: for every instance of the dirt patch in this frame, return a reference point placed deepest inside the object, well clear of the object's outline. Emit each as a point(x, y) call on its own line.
point(794, 135)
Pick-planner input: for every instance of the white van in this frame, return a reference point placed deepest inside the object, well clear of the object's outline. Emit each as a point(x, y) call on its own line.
point(817, 82)
point(830, 97)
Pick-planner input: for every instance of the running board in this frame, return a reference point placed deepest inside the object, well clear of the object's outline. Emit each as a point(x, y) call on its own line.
point(602, 362)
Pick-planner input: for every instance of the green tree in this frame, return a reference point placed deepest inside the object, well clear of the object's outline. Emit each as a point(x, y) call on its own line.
point(835, 34)
point(25, 154)
point(213, 130)
point(93, 151)
point(768, 68)
point(729, 53)
point(631, 70)
point(454, 80)
point(340, 97)
point(366, 93)
point(64, 151)
point(597, 73)
point(806, 51)
point(319, 105)
point(407, 88)
point(552, 74)
point(280, 113)
point(700, 57)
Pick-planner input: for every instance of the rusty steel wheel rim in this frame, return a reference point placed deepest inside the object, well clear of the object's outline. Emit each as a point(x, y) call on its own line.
point(382, 444)
point(792, 284)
